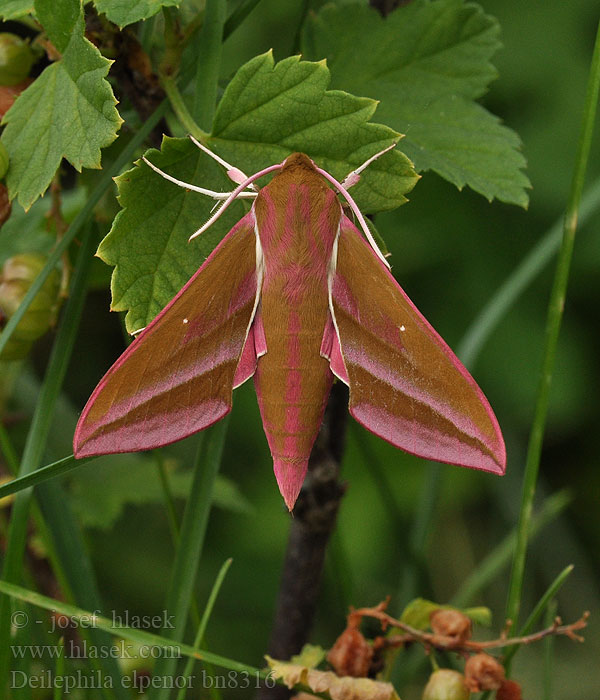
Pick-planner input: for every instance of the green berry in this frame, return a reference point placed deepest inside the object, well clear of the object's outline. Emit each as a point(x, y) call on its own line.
point(16, 277)
point(16, 59)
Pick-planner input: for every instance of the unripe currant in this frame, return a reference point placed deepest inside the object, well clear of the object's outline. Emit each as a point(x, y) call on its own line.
point(16, 276)
point(16, 59)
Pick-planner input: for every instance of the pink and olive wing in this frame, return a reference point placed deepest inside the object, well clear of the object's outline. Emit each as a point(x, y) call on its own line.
point(406, 385)
point(177, 376)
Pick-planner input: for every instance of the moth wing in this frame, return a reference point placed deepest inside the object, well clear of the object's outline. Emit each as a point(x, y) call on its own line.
point(177, 376)
point(406, 385)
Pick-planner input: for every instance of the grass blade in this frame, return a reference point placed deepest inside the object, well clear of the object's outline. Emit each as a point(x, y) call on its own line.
point(42, 474)
point(204, 622)
point(555, 312)
point(133, 634)
point(538, 611)
point(191, 540)
point(33, 451)
point(484, 324)
point(500, 556)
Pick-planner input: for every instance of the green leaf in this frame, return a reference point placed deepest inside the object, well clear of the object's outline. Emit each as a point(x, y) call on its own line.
point(267, 112)
point(427, 62)
point(13, 9)
point(60, 19)
point(69, 111)
point(157, 219)
point(123, 12)
point(271, 110)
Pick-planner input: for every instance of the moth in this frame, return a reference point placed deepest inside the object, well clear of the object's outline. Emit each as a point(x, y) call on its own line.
point(293, 296)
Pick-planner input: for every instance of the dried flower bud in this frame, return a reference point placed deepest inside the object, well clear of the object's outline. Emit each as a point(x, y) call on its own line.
point(351, 654)
point(451, 623)
point(16, 276)
point(445, 684)
point(16, 59)
point(509, 690)
point(5, 204)
point(483, 672)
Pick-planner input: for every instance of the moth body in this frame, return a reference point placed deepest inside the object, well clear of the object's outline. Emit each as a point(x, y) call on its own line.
point(293, 296)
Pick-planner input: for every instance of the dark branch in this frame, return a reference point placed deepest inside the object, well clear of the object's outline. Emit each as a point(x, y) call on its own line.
point(314, 519)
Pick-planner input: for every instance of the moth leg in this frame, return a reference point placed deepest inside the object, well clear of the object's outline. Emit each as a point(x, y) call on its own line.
point(354, 176)
point(194, 188)
point(235, 174)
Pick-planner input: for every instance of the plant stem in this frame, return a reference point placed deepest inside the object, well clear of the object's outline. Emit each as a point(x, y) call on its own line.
point(314, 519)
point(180, 108)
point(208, 63)
point(555, 312)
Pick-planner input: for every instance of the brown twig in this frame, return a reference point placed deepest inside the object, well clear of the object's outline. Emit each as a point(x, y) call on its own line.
point(438, 641)
point(314, 519)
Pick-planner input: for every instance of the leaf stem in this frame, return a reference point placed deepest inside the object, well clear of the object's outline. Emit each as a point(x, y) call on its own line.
point(178, 105)
point(555, 313)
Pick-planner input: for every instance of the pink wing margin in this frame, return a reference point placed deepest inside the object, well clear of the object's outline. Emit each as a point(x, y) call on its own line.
point(177, 376)
point(406, 385)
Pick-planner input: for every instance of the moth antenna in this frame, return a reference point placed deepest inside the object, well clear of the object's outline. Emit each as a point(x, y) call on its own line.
point(193, 188)
point(354, 206)
point(238, 192)
point(235, 174)
point(352, 178)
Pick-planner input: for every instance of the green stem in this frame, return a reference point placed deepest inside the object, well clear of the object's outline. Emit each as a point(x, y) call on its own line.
point(555, 312)
point(180, 108)
point(84, 215)
point(208, 63)
point(191, 540)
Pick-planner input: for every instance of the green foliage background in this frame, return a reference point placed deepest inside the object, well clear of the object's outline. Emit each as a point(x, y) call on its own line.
point(450, 251)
